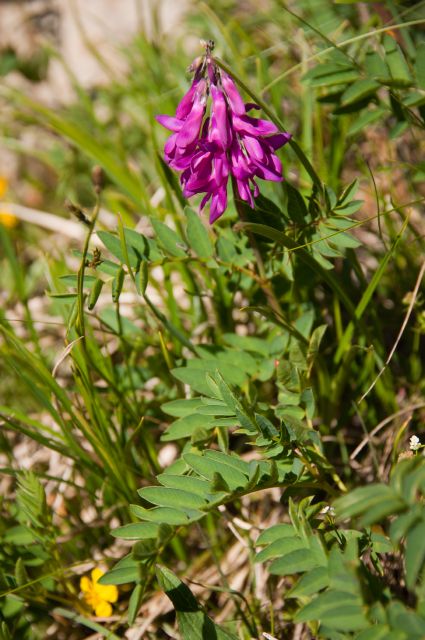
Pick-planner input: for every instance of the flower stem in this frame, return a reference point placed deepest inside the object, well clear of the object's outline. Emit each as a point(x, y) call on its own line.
point(263, 280)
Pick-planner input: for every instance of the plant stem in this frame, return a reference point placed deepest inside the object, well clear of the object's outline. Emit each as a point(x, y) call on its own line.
point(264, 282)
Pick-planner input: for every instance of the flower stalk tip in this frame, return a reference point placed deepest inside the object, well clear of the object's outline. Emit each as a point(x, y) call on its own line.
point(214, 137)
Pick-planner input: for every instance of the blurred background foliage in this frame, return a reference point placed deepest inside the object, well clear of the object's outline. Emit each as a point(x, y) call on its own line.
point(107, 347)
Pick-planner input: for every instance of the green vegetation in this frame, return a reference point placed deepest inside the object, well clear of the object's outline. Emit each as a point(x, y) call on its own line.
point(222, 414)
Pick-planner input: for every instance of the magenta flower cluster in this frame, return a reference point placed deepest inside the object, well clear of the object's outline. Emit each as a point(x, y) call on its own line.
point(208, 148)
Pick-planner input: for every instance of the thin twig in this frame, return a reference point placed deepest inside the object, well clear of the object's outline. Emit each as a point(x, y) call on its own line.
point(264, 282)
point(368, 438)
point(400, 333)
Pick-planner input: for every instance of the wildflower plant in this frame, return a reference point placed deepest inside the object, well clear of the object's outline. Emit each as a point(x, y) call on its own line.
point(415, 444)
point(217, 413)
point(211, 146)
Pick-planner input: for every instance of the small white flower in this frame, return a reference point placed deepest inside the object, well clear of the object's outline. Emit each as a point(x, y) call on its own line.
point(328, 510)
point(415, 443)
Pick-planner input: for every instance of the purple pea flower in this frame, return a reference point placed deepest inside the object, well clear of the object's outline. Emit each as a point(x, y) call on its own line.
point(208, 149)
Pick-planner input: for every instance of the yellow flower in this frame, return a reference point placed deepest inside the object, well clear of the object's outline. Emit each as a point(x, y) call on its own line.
point(98, 596)
point(7, 219)
point(3, 186)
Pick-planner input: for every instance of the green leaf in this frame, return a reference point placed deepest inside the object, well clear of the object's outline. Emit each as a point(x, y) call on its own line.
point(226, 250)
point(365, 118)
point(232, 460)
point(194, 377)
point(420, 66)
point(336, 609)
point(207, 467)
point(401, 525)
point(194, 624)
point(21, 575)
point(31, 500)
point(358, 91)
point(327, 68)
point(376, 67)
point(310, 583)
point(411, 475)
point(267, 428)
point(280, 547)
point(415, 553)
point(135, 602)
point(175, 498)
point(275, 532)
point(181, 408)
point(187, 483)
point(407, 621)
point(295, 205)
point(197, 235)
point(372, 503)
point(215, 410)
point(113, 244)
point(396, 62)
point(379, 632)
point(19, 535)
point(315, 341)
point(296, 561)
point(169, 239)
point(414, 99)
point(72, 280)
point(136, 531)
point(166, 515)
point(346, 209)
point(348, 193)
point(125, 571)
point(247, 343)
point(184, 427)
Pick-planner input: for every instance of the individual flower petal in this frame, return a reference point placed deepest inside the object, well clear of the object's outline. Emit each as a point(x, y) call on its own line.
point(254, 148)
point(234, 97)
point(85, 584)
point(240, 165)
point(107, 592)
point(185, 105)
point(103, 610)
point(253, 126)
point(220, 129)
point(244, 191)
point(169, 122)
point(96, 574)
point(190, 129)
point(278, 140)
point(269, 169)
point(218, 204)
